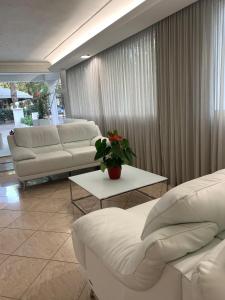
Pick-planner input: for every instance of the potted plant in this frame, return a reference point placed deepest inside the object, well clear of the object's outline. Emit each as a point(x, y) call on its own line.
point(113, 153)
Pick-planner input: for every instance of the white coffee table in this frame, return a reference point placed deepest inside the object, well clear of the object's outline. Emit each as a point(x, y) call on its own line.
point(99, 185)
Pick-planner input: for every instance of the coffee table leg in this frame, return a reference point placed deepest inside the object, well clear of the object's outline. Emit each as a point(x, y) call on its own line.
point(162, 189)
point(167, 186)
point(71, 192)
point(101, 204)
point(73, 201)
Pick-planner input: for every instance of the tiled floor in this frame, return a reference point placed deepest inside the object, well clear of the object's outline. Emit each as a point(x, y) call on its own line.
point(37, 261)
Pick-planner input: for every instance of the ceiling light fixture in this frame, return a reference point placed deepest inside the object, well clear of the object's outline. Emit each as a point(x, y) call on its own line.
point(85, 56)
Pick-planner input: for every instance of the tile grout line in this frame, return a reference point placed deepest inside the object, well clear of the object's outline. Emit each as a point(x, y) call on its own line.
point(44, 223)
point(13, 220)
point(81, 291)
point(40, 258)
point(36, 211)
point(62, 245)
point(7, 256)
point(10, 298)
point(22, 242)
point(19, 228)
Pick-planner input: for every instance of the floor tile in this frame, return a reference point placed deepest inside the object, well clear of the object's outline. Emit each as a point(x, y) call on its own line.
point(66, 252)
point(51, 205)
point(30, 220)
point(67, 208)
point(21, 204)
point(42, 244)
point(11, 239)
point(63, 193)
point(17, 274)
point(59, 223)
point(58, 281)
point(7, 217)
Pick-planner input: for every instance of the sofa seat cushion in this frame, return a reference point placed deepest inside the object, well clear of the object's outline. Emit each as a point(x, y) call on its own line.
point(44, 163)
point(199, 200)
point(82, 155)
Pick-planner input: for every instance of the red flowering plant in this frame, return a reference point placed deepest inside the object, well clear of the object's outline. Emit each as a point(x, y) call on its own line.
point(113, 152)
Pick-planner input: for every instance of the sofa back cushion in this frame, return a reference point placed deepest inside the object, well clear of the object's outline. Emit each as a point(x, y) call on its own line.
point(199, 200)
point(75, 132)
point(40, 136)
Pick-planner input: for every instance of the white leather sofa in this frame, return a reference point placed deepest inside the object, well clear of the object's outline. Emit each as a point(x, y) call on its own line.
point(47, 150)
point(171, 248)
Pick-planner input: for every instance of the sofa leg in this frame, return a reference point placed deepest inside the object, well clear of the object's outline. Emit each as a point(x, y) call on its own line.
point(23, 185)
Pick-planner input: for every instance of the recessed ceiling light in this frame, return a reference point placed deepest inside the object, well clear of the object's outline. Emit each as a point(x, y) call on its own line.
point(85, 56)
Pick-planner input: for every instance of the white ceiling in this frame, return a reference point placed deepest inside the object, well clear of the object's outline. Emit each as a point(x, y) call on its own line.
point(31, 29)
point(36, 32)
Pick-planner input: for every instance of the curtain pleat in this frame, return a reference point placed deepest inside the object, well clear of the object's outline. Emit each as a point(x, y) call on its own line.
point(164, 89)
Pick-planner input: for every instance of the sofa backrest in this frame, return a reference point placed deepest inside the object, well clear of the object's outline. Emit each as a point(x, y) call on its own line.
point(199, 200)
point(32, 137)
point(79, 134)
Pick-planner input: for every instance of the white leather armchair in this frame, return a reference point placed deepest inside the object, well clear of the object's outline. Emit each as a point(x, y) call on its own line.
point(148, 253)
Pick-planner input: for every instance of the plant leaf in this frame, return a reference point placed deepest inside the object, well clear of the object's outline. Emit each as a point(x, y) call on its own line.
point(102, 167)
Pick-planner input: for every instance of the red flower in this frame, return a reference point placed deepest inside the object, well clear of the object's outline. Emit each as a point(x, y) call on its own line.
point(37, 94)
point(115, 138)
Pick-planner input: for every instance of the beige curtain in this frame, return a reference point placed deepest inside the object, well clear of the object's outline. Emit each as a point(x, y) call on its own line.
point(190, 80)
point(164, 90)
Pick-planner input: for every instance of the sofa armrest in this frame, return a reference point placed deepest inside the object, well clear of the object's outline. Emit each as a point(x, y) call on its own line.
point(111, 233)
point(19, 153)
point(208, 278)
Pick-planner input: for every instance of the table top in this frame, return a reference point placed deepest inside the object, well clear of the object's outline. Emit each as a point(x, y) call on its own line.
point(98, 183)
